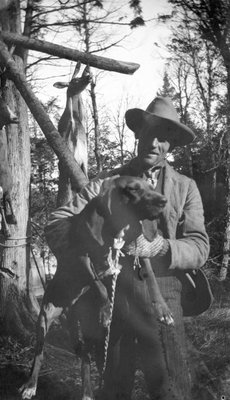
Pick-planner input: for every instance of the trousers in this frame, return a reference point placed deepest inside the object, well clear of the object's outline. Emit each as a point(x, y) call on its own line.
point(160, 348)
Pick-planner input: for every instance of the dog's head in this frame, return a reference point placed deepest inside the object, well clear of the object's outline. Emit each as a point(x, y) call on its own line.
point(133, 195)
point(140, 197)
point(128, 200)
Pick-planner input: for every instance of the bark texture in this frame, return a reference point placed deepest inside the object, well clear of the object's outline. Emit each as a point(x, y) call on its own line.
point(15, 317)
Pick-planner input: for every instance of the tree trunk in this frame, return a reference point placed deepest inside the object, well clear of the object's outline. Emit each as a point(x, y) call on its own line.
point(226, 245)
point(214, 181)
point(188, 155)
point(15, 307)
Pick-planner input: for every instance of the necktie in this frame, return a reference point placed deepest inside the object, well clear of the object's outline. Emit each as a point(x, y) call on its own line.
point(149, 227)
point(152, 176)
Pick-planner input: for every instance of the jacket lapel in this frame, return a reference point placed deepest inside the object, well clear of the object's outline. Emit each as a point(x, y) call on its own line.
point(169, 191)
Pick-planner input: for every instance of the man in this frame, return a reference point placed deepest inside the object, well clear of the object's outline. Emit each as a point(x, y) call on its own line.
point(185, 245)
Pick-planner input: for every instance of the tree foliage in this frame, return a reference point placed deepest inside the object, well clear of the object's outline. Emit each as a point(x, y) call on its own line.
point(200, 48)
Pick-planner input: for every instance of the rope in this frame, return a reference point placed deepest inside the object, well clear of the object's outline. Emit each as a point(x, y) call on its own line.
point(18, 238)
point(116, 269)
point(27, 242)
point(38, 270)
point(106, 345)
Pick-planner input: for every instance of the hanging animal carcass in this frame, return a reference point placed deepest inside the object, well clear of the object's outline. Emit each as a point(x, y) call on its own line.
point(71, 128)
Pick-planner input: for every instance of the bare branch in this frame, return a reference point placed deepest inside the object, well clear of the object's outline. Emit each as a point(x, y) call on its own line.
point(108, 64)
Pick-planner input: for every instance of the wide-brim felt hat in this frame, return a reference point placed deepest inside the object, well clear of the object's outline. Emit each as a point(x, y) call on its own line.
point(196, 295)
point(160, 111)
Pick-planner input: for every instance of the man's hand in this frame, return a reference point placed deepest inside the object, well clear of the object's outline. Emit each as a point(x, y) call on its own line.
point(141, 247)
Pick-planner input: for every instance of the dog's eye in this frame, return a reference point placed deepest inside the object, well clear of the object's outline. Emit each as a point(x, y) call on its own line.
point(137, 186)
point(134, 187)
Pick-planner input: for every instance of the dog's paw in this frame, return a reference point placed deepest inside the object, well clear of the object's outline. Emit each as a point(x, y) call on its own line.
point(163, 313)
point(27, 390)
point(167, 319)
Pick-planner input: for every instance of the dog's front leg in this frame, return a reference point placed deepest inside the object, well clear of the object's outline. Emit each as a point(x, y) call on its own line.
point(80, 323)
point(87, 392)
point(162, 310)
point(97, 287)
point(47, 314)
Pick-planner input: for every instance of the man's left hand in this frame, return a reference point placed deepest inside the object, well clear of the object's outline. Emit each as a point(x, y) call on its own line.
point(141, 247)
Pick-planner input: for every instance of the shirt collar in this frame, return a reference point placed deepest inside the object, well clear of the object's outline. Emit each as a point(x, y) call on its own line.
point(134, 167)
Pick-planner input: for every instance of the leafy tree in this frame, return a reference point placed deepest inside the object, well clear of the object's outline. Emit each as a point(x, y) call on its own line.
point(167, 89)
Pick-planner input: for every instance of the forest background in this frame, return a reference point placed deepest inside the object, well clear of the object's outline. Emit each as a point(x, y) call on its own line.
point(190, 45)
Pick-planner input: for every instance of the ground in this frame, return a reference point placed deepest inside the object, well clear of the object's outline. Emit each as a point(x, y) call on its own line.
point(60, 374)
point(208, 342)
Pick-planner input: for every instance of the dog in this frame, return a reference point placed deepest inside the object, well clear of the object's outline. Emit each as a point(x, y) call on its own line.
point(93, 237)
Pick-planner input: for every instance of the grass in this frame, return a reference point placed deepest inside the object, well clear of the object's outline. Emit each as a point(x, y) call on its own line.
point(209, 344)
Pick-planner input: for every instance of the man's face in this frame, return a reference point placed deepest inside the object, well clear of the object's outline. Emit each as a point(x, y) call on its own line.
point(153, 146)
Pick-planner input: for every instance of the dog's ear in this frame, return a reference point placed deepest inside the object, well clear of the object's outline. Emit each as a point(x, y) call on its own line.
point(131, 192)
point(117, 190)
point(95, 226)
point(106, 195)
